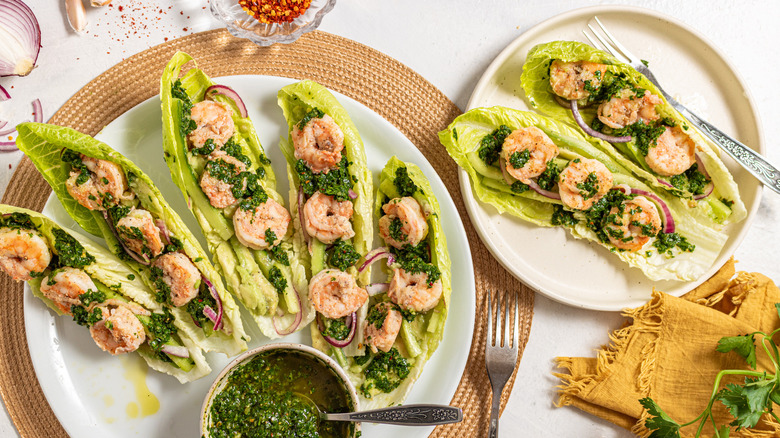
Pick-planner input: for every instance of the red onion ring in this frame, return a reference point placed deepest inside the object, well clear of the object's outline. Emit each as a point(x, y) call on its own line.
point(230, 93)
point(37, 111)
point(7, 131)
point(140, 258)
point(667, 213)
point(298, 318)
point(377, 288)
point(352, 194)
point(562, 102)
point(592, 132)
point(701, 167)
point(4, 95)
point(351, 323)
point(175, 350)
point(163, 230)
point(21, 25)
point(707, 191)
point(546, 193)
point(220, 311)
point(377, 254)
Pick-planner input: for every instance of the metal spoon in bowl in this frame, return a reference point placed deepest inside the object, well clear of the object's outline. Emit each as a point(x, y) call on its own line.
point(408, 415)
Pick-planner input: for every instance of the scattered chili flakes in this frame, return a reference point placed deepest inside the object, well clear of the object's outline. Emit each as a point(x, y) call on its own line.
point(275, 11)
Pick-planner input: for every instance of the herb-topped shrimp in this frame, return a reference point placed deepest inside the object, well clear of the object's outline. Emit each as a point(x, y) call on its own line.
point(97, 290)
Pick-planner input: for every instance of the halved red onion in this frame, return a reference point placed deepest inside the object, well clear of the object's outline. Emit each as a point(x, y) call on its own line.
point(228, 92)
point(140, 258)
point(351, 322)
point(301, 202)
point(377, 288)
point(175, 350)
point(4, 95)
point(298, 318)
point(217, 319)
point(666, 214)
point(546, 193)
point(21, 38)
point(352, 194)
point(377, 254)
point(592, 132)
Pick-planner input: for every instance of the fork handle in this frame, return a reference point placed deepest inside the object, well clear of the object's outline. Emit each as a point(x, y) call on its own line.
point(749, 159)
point(493, 430)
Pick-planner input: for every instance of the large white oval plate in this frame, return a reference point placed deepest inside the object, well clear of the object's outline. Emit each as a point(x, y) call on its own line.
point(93, 394)
point(582, 273)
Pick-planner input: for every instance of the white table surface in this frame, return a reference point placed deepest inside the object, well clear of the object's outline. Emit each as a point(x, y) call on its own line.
point(450, 43)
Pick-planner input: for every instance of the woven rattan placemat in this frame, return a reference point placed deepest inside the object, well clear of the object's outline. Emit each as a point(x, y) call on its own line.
point(384, 85)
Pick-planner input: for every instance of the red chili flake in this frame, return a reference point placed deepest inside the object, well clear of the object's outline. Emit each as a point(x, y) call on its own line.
point(275, 11)
point(185, 29)
point(9, 166)
point(121, 8)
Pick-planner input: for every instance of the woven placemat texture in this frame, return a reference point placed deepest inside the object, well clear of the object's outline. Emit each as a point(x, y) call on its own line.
point(384, 85)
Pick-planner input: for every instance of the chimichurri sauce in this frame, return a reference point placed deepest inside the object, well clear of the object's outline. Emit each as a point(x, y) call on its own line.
point(261, 399)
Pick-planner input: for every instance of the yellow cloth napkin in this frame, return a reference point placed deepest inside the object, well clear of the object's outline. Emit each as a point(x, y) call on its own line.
point(668, 353)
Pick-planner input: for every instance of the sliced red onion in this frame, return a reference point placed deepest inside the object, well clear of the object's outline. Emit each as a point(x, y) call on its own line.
point(351, 323)
point(666, 213)
point(665, 183)
point(175, 350)
point(592, 132)
point(546, 193)
point(8, 146)
point(4, 95)
point(163, 231)
point(707, 191)
point(210, 313)
point(301, 202)
point(228, 92)
point(377, 254)
point(21, 38)
point(140, 258)
point(189, 202)
point(352, 194)
point(298, 318)
point(7, 131)
point(217, 318)
point(701, 167)
point(562, 102)
point(377, 288)
point(37, 111)
point(505, 173)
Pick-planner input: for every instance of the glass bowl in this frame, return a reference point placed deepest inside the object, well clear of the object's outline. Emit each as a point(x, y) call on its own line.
point(242, 25)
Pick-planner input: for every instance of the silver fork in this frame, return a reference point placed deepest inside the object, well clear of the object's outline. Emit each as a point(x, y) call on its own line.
point(750, 160)
point(500, 356)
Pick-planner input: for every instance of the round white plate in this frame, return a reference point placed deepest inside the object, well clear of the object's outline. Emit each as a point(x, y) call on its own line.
point(94, 394)
point(582, 273)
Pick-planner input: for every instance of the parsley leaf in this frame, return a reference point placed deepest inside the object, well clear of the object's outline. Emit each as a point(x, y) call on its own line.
point(743, 345)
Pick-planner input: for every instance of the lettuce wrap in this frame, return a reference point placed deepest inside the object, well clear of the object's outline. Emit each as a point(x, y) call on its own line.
point(684, 254)
point(304, 100)
point(420, 332)
point(58, 153)
point(116, 283)
point(270, 283)
point(712, 205)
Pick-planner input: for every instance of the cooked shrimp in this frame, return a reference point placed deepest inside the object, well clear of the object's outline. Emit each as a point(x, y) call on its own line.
point(412, 291)
point(319, 143)
point(23, 252)
point(383, 337)
point(413, 224)
point(181, 275)
point(583, 182)
point(120, 330)
point(633, 223)
point(328, 219)
point(105, 187)
point(215, 122)
point(219, 191)
point(252, 226)
point(139, 233)
point(627, 108)
point(335, 294)
point(66, 286)
point(568, 79)
point(673, 153)
point(540, 147)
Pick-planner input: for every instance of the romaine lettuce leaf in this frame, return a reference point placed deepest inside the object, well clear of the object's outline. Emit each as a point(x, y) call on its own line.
point(535, 81)
point(44, 143)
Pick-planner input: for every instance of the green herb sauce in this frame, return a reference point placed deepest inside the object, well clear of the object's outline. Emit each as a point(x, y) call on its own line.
point(404, 184)
point(342, 255)
point(261, 400)
point(490, 145)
